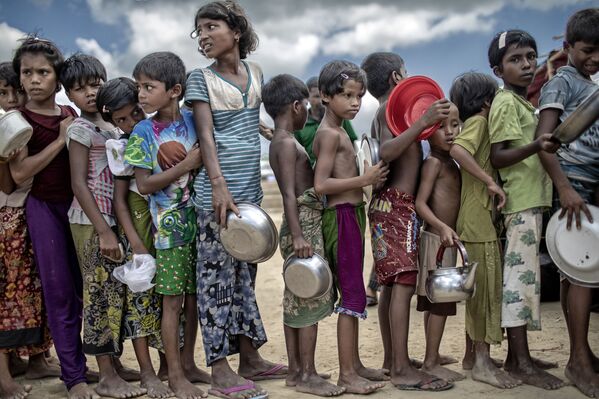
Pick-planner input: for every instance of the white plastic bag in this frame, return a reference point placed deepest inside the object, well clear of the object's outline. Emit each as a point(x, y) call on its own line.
point(137, 273)
point(115, 151)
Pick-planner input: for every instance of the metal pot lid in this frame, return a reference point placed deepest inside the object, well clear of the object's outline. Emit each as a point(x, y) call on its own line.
point(575, 252)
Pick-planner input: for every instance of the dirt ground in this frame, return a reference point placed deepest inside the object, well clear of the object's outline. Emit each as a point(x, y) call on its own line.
point(550, 344)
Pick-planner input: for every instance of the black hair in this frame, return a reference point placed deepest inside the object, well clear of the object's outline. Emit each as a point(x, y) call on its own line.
point(471, 91)
point(35, 45)
point(516, 37)
point(114, 95)
point(583, 26)
point(80, 69)
point(237, 20)
point(280, 92)
point(378, 67)
point(163, 66)
point(7, 73)
point(334, 74)
point(312, 82)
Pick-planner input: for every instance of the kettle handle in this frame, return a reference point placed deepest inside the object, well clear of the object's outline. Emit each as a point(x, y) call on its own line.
point(461, 249)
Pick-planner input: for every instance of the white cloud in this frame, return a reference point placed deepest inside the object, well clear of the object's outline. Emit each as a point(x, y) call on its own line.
point(92, 47)
point(8, 43)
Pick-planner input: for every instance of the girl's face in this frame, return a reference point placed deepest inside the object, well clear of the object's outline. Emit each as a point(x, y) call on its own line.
point(517, 66)
point(84, 96)
point(11, 98)
point(215, 37)
point(38, 77)
point(347, 103)
point(127, 117)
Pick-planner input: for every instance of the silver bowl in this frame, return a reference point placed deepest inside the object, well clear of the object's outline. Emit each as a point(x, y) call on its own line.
point(15, 132)
point(578, 121)
point(308, 278)
point(251, 238)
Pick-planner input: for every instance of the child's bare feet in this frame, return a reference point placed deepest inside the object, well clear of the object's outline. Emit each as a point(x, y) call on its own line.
point(316, 385)
point(293, 377)
point(530, 374)
point(544, 364)
point(411, 378)
point(82, 391)
point(115, 387)
point(233, 386)
point(261, 369)
point(358, 385)
point(126, 373)
point(16, 365)
point(194, 374)
point(40, 368)
point(587, 381)
point(10, 389)
point(489, 373)
point(468, 362)
point(154, 387)
point(373, 374)
point(444, 373)
point(444, 360)
point(183, 389)
point(92, 376)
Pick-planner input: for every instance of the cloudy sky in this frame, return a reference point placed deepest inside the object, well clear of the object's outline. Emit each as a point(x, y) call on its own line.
point(437, 38)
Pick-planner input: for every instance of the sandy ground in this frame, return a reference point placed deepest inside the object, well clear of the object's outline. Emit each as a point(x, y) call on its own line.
point(550, 344)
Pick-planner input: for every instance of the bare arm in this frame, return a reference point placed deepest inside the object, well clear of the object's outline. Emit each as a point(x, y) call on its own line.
point(222, 200)
point(79, 157)
point(123, 215)
point(503, 156)
point(570, 201)
point(25, 166)
point(7, 185)
point(429, 174)
point(469, 164)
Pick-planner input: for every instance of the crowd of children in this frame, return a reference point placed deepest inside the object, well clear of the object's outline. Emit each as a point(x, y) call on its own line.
point(90, 190)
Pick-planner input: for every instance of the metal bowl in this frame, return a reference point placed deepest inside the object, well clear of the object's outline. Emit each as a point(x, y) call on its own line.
point(367, 150)
point(579, 121)
point(251, 238)
point(308, 278)
point(15, 132)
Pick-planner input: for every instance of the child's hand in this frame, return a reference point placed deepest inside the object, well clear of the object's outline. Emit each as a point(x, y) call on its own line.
point(139, 249)
point(12, 155)
point(494, 190)
point(377, 174)
point(302, 248)
point(448, 237)
point(573, 204)
point(438, 111)
point(109, 245)
point(193, 159)
point(64, 124)
point(546, 143)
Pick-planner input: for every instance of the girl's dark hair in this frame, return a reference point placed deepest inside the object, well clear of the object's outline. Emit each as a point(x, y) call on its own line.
point(36, 45)
point(503, 40)
point(378, 67)
point(281, 91)
point(7, 73)
point(583, 26)
point(80, 69)
point(114, 95)
point(163, 66)
point(333, 75)
point(237, 20)
point(471, 91)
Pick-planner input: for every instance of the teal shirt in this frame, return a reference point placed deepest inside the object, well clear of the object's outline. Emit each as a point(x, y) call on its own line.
point(306, 136)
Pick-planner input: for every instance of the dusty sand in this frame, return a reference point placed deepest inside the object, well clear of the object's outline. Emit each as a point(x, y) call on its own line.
point(550, 344)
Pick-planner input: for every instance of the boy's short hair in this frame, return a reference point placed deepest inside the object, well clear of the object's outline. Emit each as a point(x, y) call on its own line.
point(503, 40)
point(470, 91)
point(114, 95)
point(163, 66)
point(7, 73)
point(334, 74)
point(312, 82)
point(80, 69)
point(236, 18)
point(378, 67)
point(281, 91)
point(33, 44)
point(583, 26)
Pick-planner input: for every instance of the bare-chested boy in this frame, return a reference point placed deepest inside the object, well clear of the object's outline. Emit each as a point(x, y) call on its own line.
point(342, 85)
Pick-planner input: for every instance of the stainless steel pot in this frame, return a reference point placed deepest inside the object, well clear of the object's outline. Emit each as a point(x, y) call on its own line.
point(15, 132)
point(578, 121)
point(308, 278)
point(451, 284)
point(251, 238)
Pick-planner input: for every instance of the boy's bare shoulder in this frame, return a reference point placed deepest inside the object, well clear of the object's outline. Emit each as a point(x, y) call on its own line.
point(432, 163)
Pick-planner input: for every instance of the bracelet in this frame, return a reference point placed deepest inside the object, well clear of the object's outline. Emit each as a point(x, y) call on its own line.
point(216, 177)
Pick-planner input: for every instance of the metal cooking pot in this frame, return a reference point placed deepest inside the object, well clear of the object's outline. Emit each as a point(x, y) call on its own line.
point(451, 284)
point(15, 132)
point(578, 121)
point(308, 278)
point(251, 238)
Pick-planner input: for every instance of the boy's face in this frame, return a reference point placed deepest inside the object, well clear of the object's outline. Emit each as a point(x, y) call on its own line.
point(300, 114)
point(127, 117)
point(447, 131)
point(38, 77)
point(584, 57)
point(84, 95)
point(315, 99)
point(517, 66)
point(347, 103)
point(11, 98)
point(153, 95)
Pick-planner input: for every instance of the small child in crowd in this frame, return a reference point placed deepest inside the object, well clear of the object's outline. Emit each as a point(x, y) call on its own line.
point(438, 203)
point(473, 94)
point(285, 100)
point(163, 150)
point(395, 227)
point(512, 124)
point(575, 174)
point(342, 85)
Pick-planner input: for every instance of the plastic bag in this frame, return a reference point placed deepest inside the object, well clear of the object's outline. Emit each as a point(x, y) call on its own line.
point(138, 273)
point(115, 151)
